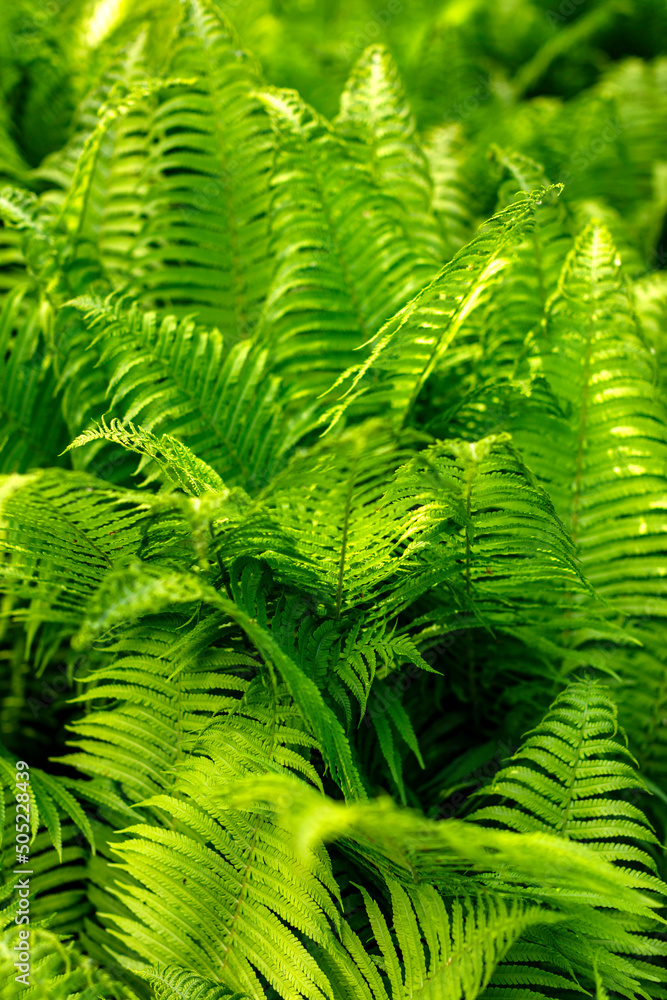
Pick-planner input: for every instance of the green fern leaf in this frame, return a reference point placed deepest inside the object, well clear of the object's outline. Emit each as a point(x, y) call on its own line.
point(407, 349)
point(376, 118)
point(178, 465)
point(176, 983)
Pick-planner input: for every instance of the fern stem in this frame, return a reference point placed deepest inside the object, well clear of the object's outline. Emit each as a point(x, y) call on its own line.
point(585, 392)
point(570, 788)
point(343, 549)
point(221, 567)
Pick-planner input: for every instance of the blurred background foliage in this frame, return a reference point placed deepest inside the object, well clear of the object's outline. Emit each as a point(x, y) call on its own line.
point(578, 85)
point(445, 52)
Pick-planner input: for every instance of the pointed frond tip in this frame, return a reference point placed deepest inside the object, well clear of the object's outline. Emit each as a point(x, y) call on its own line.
point(174, 460)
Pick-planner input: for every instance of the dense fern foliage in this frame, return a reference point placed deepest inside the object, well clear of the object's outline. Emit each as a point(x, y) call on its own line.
point(333, 500)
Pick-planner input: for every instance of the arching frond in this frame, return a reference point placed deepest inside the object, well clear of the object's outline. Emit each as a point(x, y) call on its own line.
point(567, 779)
point(177, 378)
point(571, 777)
point(476, 382)
point(215, 874)
point(161, 456)
point(95, 176)
point(575, 881)
point(407, 349)
point(175, 983)
point(60, 533)
point(602, 456)
point(335, 281)
point(400, 843)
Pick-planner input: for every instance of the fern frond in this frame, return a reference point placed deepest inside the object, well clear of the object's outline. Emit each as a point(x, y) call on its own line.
point(402, 844)
point(203, 247)
point(567, 779)
point(175, 983)
point(407, 349)
point(376, 118)
point(650, 299)
point(94, 177)
point(145, 588)
point(335, 281)
point(333, 502)
point(215, 873)
point(164, 696)
point(603, 455)
point(509, 537)
point(572, 777)
point(60, 533)
point(222, 404)
point(464, 946)
point(48, 796)
point(58, 969)
point(450, 197)
point(163, 455)
point(31, 428)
